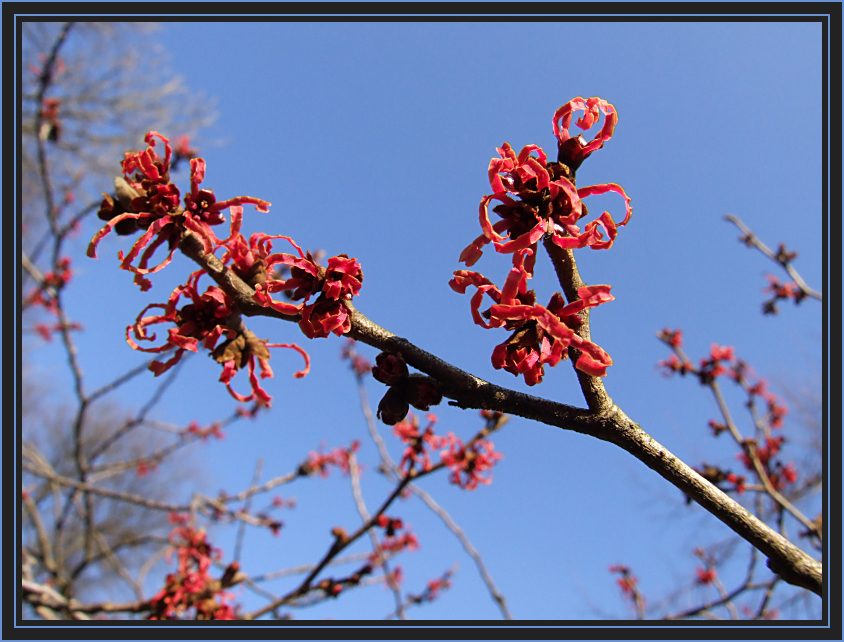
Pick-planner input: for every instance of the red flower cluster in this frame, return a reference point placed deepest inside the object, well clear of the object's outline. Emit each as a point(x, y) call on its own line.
point(396, 544)
point(191, 593)
point(339, 282)
point(147, 200)
point(45, 330)
point(204, 320)
point(539, 199)
point(204, 433)
point(781, 291)
point(467, 464)
point(722, 361)
point(389, 524)
point(705, 575)
point(780, 474)
point(541, 335)
point(627, 582)
point(548, 201)
point(319, 462)
point(433, 589)
point(54, 280)
point(416, 455)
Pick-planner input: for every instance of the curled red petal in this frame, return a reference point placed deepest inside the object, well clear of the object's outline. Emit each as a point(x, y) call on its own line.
point(464, 278)
point(562, 118)
point(603, 188)
point(569, 242)
point(524, 241)
point(260, 205)
point(470, 255)
point(486, 225)
point(588, 363)
point(149, 139)
point(157, 367)
point(92, 246)
point(197, 174)
point(503, 312)
point(293, 346)
point(155, 228)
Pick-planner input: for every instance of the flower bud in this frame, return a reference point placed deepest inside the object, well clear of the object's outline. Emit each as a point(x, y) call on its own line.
point(422, 391)
point(389, 368)
point(570, 152)
point(393, 407)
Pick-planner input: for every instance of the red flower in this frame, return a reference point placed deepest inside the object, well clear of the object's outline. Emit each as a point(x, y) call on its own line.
point(573, 151)
point(548, 202)
point(204, 433)
point(469, 462)
point(191, 591)
point(324, 317)
point(202, 320)
point(319, 463)
point(343, 278)
point(205, 320)
point(540, 335)
point(416, 453)
point(705, 576)
point(674, 338)
point(148, 200)
point(738, 481)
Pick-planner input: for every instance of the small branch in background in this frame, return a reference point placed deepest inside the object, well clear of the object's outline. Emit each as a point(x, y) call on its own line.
point(781, 257)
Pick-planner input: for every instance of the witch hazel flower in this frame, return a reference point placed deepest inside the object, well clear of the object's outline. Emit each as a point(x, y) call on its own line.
point(541, 334)
point(319, 462)
point(147, 200)
point(467, 463)
point(190, 592)
point(329, 314)
point(202, 322)
point(332, 286)
point(416, 454)
point(539, 198)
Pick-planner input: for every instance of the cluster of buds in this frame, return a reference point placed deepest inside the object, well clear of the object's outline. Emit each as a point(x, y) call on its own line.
point(780, 474)
point(405, 389)
point(432, 589)
point(191, 593)
point(781, 291)
point(629, 584)
point(724, 480)
point(53, 281)
point(539, 199)
point(332, 588)
point(467, 462)
point(318, 463)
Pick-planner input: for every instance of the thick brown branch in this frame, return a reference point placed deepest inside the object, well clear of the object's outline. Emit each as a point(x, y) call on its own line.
point(608, 424)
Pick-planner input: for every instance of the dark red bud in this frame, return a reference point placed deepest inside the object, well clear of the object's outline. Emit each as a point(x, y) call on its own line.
point(389, 368)
point(393, 407)
point(422, 391)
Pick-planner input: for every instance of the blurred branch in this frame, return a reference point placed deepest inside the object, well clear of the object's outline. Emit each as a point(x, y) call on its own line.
point(781, 258)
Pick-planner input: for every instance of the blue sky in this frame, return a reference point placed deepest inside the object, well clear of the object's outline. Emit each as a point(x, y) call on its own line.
point(373, 139)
